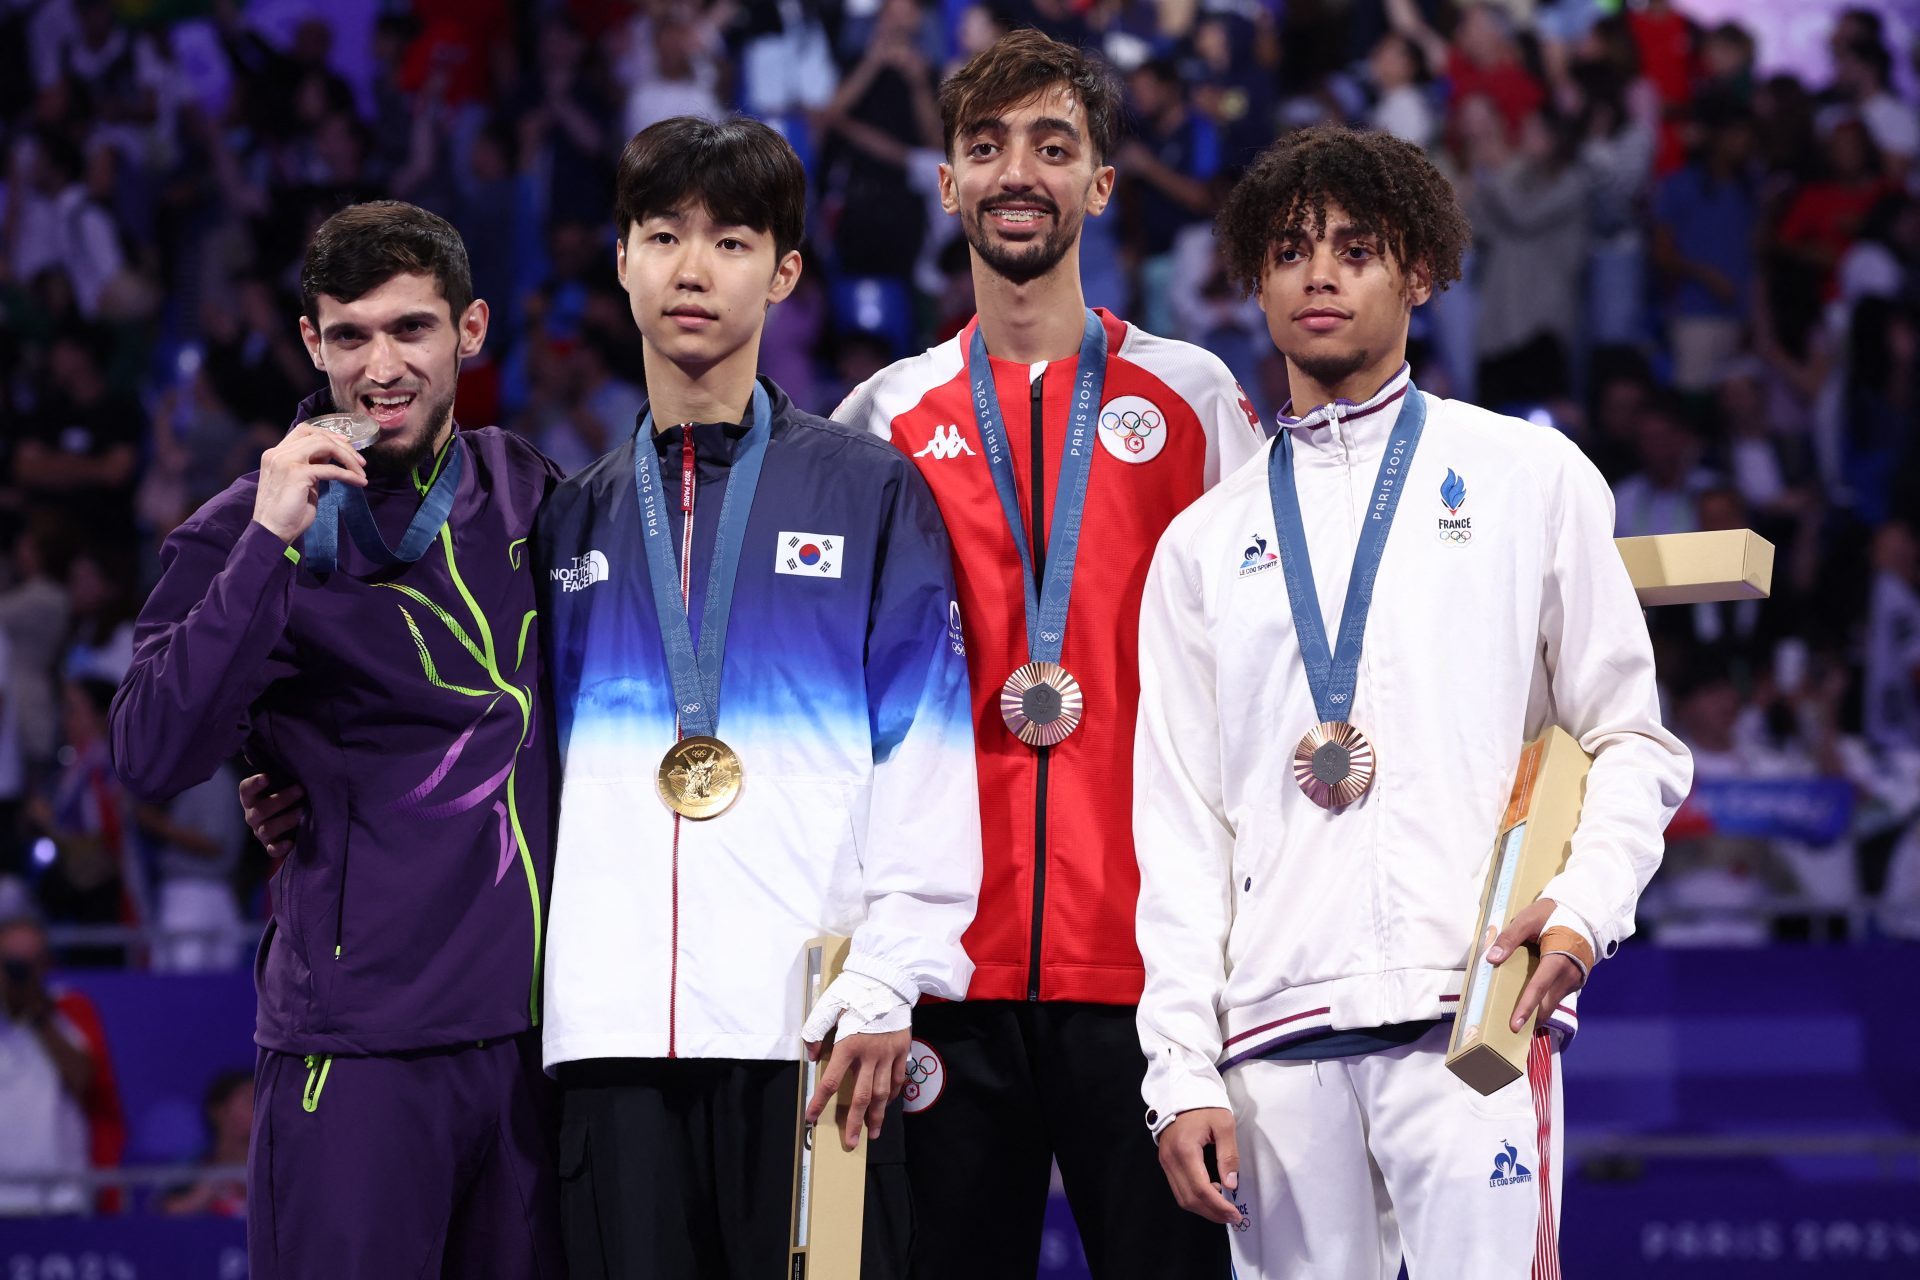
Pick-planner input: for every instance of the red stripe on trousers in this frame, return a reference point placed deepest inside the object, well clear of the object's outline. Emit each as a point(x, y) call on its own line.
point(1546, 1240)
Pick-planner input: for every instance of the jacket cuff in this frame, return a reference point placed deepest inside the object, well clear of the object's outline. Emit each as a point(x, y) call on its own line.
point(1570, 910)
point(1193, 1089)
point(902, 983)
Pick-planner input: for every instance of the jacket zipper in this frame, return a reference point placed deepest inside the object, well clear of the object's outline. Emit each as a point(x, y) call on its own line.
point(1037, 534)
point(340, 907)
point(688, 483)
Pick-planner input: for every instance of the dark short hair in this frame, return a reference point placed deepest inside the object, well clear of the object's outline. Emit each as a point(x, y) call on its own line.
point(365, 245)
point(740, 170)
point(1874, 54)
point(1384, 184)
point(1022, 65)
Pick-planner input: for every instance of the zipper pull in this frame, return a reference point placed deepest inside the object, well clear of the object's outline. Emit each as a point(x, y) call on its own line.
point(686, 468)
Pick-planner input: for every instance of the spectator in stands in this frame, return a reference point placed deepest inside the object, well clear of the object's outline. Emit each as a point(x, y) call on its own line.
point(563, 118)
point(1862, 73)
point(1713, 888)
point(1881, 407)
point(253, 362)
point(1233, 88)
point(59, 1107)
point(1399, 72)
point(1616, 127)
point(1706, 220)
point(1483, 60)
point(13, 770)
point(1163, 174)
point(79, 454)
point(57, 220)
point(597, 408)
point(1663, 495)
point(1727, 66)
point(1827, 214)
point(1208, 309)
point(228, 1108)
point(34, 614)
point(1892, 698)
point(100, 589)
point(197, 838)
point(95, 877)
point(884, 111)
point(671, 66)
point(1530, 230)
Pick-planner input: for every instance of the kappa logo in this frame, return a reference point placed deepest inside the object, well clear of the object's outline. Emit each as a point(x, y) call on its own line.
point(956, 638)
point(926, 1077)
point(583, 572)
point(1256, 558)
point(807, 555)
point(1507, 1169)
point(947, 442)
point(1133, 429)
point(1454, 527)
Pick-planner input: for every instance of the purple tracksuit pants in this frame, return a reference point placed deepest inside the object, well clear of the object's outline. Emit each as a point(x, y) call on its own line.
point(434, 1163)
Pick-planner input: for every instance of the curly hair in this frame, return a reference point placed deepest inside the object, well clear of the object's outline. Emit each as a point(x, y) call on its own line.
point(1382, 183)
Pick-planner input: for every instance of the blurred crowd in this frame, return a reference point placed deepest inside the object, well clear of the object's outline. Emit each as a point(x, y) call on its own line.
point(1706, 272)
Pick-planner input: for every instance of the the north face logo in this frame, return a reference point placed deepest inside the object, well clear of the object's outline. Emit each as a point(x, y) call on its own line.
point(947, 442)
point(583, 572)
point(1507, 1169)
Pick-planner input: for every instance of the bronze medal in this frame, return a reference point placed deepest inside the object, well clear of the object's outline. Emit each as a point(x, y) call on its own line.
point(699, 777)
point(1042, 704)
point(1333, 764)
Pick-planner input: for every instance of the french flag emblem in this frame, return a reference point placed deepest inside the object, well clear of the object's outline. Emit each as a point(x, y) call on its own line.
point(811, 555)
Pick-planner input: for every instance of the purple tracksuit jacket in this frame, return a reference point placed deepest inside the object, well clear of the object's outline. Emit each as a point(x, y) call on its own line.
point(407, 702)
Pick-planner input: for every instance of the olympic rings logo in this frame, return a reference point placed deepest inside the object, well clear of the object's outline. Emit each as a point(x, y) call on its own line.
point(1459, 537)
point(1133, 426)
point(924, 1078)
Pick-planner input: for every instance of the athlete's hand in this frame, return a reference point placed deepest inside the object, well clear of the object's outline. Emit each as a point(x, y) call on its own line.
point(1555, 979)
point(290, 474)
point(273, 812)
point(878, 1064)
point(1183, 1146)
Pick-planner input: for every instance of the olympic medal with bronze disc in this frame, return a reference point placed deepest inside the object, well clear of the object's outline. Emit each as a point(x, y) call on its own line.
point(699, 777)
point(1042, 704)
point(1333, 764)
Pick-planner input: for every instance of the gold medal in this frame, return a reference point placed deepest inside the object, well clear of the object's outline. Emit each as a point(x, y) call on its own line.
point(1042, 704)
point(1333, 764)
point(699, 777)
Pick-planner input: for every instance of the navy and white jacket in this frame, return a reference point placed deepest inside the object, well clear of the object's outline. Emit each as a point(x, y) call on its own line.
point(844, 690)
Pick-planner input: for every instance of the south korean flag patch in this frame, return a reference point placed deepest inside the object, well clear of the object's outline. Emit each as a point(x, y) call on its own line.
point(808, 555)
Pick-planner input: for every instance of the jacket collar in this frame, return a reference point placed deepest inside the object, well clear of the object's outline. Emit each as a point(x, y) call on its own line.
point(1346, 410)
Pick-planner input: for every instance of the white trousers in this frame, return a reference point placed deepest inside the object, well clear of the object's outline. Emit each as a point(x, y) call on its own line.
point(1348, 1163)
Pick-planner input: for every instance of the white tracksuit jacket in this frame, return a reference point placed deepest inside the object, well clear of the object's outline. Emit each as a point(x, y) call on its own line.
point(1263, 917)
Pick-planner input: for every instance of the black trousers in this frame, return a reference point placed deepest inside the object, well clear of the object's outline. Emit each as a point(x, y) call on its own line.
point(682, 1169)
point(1014, 1087)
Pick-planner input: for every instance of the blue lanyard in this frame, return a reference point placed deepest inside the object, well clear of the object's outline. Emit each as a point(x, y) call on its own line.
point(345, 503)
point(1046, 608)
point(696, 677)
point(1332, 676)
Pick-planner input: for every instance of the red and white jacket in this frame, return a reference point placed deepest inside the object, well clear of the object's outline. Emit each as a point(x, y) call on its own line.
point(1056, 914)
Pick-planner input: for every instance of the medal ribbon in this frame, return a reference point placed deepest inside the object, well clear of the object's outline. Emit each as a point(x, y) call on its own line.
point(1332, 676)
point(1046, 603)
point(696, 674)
point(347, 504)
